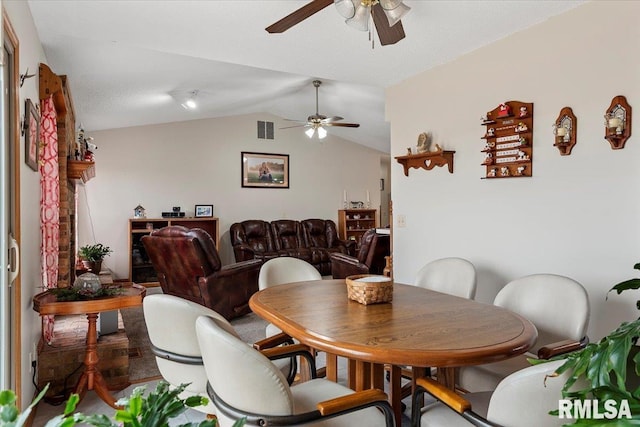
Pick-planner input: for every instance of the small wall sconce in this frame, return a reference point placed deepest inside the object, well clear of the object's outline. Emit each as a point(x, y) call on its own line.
point(617, 122)
point(565, 131)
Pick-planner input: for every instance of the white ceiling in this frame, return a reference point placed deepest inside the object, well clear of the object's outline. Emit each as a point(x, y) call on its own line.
point(127, 60)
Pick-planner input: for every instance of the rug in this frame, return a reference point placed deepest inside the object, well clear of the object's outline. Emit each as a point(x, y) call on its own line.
point(142, 362)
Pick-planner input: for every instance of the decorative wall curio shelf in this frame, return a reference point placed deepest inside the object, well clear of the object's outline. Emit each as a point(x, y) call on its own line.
point(508, 140)
point(617, 122)
point(427, 160)
point(565, 131)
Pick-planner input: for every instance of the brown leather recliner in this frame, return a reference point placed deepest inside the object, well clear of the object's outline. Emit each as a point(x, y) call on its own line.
point(189, 267)
point(370, 259)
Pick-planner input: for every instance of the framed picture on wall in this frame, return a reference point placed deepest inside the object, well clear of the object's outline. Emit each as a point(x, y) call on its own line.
point(31, 135)
point(265, 170)
point(204, 211)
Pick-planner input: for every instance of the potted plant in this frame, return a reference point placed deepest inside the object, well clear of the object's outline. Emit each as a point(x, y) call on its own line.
point(92, 256)
point(153, 410)
point(605, 376)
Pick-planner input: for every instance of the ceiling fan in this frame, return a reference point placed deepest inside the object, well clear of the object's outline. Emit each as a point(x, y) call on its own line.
point(386, 15)
point(317, 121)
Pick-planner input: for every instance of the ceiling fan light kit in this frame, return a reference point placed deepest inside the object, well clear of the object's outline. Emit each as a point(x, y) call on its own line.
point(385, 14)
point(190, 102)
point(317, 121)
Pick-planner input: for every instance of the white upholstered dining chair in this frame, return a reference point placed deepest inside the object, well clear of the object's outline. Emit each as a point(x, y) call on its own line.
point(558, 306)
point(281, 270)
point(245, 383)
point(453, 276)
point(522, 399)
point(170, 322)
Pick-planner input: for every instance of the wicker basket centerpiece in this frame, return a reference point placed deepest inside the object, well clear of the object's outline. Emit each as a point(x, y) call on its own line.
point(369, 288)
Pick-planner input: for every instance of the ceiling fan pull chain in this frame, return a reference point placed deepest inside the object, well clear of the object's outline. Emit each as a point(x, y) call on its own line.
point(372, 39)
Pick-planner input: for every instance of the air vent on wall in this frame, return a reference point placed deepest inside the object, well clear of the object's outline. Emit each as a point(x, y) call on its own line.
point(265, 130)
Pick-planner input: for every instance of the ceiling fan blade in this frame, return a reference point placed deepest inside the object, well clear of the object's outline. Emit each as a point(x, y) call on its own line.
point(298, 16)
point(332, 119)
point(386, 33)
point(295, 126)
point(344, 125)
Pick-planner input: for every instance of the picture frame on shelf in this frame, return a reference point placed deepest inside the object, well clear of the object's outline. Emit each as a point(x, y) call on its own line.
point(203, 211)
point(31, 135)
point(264, 170)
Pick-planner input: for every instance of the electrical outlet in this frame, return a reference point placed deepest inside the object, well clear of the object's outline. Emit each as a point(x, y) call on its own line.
point(402, 221)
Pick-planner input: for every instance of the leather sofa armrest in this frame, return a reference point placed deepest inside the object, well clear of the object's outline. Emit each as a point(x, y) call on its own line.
point(243, 252)
point(561, 347)
point(343, 265)
point(231, 269)
point(350, 246)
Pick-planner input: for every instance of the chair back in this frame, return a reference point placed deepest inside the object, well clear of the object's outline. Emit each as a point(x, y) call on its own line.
point(557, 305)
point(320, 233)
point(254, 233)
point(171, 324)
point(525, 397)
point(240, 375)
point(282, 270)
point(373, 248)
point(180, 257)
point(454, 276)
point(287, 234)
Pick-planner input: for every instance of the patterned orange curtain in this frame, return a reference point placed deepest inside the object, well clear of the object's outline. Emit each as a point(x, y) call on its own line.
point(49, 204)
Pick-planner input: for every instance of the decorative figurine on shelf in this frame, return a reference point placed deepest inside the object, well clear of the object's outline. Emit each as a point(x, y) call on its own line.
point(522, 141)
point(561, 132)
point(139, 212)
point(491, 132)
point(492, 172)
point(520, 170)
point(489, 145)
point(521, 127)
point(504, 171)
point(504, 110)
point(488, 159)
point(523, 111)
point(484, 119)
point(424, 142)
point(438, 149)
point(408, 151)
point(522, 155)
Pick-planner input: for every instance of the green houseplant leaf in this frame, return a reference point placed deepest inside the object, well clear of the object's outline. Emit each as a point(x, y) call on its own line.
point(604, 366)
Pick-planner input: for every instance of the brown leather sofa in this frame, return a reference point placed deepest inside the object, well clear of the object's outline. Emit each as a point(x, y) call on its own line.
point(189, 267)
point(313, 240)
point(370, 259)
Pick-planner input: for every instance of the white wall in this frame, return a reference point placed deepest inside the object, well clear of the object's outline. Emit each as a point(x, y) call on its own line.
point(579, 214)
point(30, 55)
point(198, 162)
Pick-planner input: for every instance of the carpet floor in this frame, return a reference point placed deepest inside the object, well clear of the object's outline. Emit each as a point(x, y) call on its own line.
point(142, 362)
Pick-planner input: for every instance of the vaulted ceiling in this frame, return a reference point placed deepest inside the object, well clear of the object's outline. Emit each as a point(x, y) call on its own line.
point(128, 62)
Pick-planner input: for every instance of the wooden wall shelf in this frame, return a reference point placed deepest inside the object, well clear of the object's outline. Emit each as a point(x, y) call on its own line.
point(565, 131)
point(618, 110)
point(508, 140)
point(427, 161)
point(80, 170)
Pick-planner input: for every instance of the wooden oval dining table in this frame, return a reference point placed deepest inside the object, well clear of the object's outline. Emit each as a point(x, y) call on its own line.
point(418, 328)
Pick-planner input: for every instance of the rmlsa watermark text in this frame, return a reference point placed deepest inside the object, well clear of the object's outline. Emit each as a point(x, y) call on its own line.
point(592, 409)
